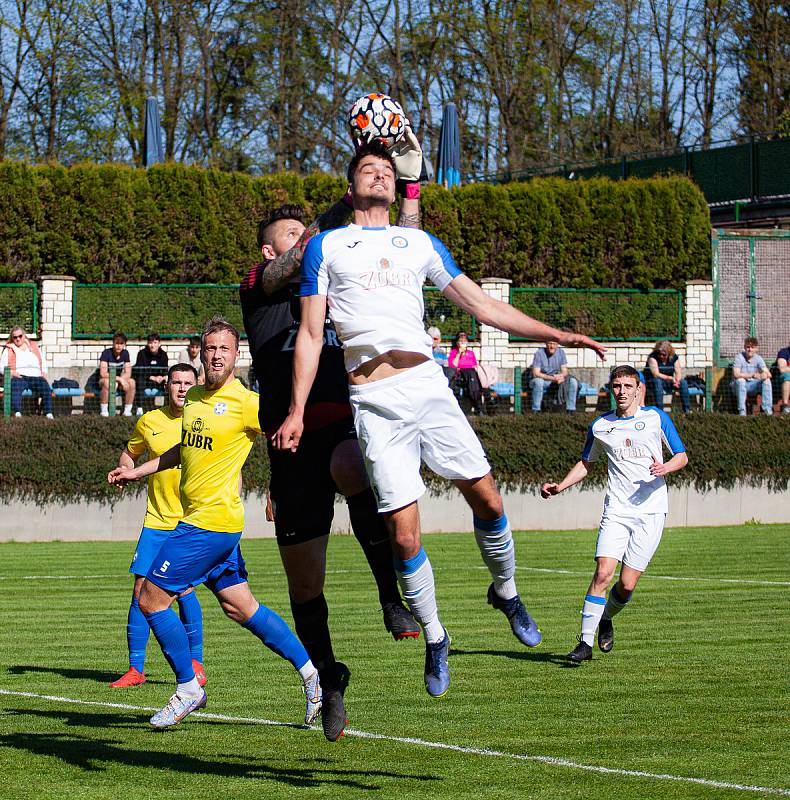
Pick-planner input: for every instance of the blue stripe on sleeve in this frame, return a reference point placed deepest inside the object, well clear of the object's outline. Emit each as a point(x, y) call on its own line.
point(670, 433)
point(311, 265)
point(447, 260)
point(589, 442)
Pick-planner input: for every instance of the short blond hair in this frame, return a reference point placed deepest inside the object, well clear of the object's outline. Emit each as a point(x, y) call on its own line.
point(217, 324)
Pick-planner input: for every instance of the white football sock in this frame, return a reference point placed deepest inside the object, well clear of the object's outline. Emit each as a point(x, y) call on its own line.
point(415, 577)
point(495, 540)
point(592, 610)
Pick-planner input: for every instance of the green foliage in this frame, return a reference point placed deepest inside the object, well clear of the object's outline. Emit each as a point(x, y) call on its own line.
point(179, 224)
point(446, 316)
point(17, 307)
point(174, 312)
point(607, 315)
point(20, 224)
point(526, 451)
point(68, 459)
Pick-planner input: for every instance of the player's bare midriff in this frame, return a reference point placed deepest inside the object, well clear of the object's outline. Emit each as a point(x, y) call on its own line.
point(385, 366)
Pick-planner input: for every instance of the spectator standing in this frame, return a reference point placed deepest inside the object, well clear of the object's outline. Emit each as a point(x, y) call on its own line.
point(664, 375)
point(751, 375)
point(150, 369)
point(783, 365)
point(191, 355)
point(462, 364)
point(118, 357)
point(28, 368)
point(550, 369)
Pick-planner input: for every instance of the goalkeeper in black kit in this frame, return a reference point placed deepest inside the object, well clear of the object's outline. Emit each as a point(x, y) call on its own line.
point(304, 483)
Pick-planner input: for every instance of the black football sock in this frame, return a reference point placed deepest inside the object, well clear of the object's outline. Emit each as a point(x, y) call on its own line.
point(368, 526)
point(311, 620)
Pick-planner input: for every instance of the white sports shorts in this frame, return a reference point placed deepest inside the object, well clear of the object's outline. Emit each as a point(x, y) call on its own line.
point(630, 539)
point(409, 418)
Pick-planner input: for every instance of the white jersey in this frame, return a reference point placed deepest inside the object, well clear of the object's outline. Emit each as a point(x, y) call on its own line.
point(630, 445)
point(372, 278)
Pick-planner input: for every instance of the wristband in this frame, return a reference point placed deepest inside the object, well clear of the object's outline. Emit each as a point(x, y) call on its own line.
point(411, 191)
point(347, 198)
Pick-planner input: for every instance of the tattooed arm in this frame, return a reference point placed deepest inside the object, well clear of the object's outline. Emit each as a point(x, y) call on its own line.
point(281, 270)
point(409, 213)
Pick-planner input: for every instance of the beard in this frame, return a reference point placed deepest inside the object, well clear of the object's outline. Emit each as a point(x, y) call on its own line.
point(215, 379)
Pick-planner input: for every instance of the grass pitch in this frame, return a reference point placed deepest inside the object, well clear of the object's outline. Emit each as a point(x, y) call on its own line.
point(692, 702)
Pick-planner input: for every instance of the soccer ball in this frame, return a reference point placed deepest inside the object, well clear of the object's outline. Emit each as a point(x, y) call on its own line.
point(377, 116)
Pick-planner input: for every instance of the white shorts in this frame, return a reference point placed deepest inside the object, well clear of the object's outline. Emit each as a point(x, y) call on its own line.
point(409, 418)
point(632, 540)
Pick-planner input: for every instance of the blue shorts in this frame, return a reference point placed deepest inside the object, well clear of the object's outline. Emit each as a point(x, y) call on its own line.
point(191, 556)
point(151, 539)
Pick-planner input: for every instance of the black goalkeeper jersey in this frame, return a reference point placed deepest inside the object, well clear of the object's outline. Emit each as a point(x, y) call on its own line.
point(271, 322)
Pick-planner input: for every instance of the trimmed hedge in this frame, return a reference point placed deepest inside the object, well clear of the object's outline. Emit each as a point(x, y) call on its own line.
point(136, 310)
point(67, 460)
point(179, 224)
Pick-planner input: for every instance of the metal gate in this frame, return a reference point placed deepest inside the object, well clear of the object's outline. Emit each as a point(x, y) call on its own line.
point(751, 292)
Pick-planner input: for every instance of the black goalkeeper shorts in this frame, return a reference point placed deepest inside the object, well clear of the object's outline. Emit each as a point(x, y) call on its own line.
point(301, 487)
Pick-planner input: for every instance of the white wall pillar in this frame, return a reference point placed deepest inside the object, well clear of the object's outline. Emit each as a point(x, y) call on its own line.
point(56, 304)
point(495, 344)
point(699, 324)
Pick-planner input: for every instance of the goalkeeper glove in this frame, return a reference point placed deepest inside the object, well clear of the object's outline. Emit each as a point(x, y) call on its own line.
point(407, 155)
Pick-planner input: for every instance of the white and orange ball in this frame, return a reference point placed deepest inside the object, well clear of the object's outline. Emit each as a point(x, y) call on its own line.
point(377, 116)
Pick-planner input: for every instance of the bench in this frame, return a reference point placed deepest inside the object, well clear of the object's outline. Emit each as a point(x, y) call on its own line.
point(505, 391)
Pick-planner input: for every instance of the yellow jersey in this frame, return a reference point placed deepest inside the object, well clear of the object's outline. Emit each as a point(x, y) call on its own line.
point(157, 432)
point(218, 430)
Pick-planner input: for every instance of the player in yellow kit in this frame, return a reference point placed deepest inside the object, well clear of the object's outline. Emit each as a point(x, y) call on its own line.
point(219, 426)
point(156, 432)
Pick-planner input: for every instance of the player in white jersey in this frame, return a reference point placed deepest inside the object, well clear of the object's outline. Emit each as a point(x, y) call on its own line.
point(635, 507)
point(370, 275)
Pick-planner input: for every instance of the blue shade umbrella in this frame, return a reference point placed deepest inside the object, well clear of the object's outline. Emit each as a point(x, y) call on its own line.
point(153, 150)
point(448, 170)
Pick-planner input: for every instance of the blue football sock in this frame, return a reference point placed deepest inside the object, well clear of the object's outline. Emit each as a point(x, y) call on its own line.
point(172, 638)
point(137, 630)
point(192, 616)
point(273, 631)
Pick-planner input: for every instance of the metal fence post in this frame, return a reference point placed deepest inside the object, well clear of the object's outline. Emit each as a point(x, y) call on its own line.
point(7, 392)
point(517, 390)
point(111, 391)
point(708, 388)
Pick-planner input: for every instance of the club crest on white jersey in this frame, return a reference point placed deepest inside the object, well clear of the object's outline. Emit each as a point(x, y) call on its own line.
point(372, 279)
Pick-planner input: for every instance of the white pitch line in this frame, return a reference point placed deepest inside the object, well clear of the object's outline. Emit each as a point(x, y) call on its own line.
point(455, 748)
point(547, 570)
point(690, 579)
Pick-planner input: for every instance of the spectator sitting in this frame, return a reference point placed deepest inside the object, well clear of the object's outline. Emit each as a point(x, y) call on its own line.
point(664, 375)
point(191, 355)
point(28, 368)
point(783, 365)
point(150, 369)
point(439, 353)
point(461, 363)
point(118, 357)
point(549, 370)
point(751, 375)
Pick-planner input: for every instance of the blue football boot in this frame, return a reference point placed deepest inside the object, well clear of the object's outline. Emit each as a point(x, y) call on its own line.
point(524, 627)
point(437, 673)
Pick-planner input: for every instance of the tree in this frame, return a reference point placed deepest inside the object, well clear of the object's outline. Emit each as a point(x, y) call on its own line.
point(762, 30)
